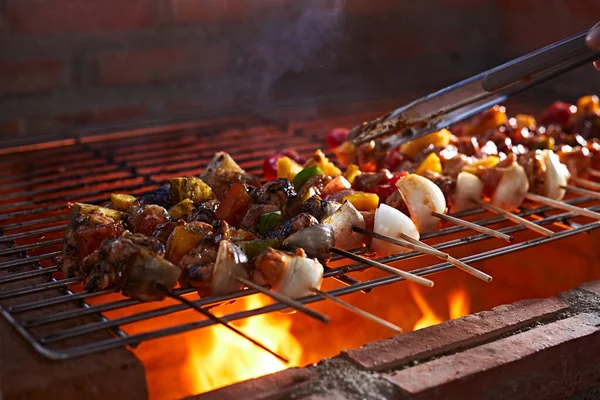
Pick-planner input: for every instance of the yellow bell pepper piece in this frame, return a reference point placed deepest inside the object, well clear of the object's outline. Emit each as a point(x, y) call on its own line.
point(363, 201)
point(182, 208)
point(351, 173)
point(439, 138)
point(431, 163)
point(189, 188)
point(319, 159)
point(588, 105)
point(288, 168)
point(525, 121)
point(121, 202)
point(487, 162)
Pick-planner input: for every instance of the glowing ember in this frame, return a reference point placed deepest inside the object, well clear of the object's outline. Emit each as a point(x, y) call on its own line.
point(458, 306)
point(224, 358)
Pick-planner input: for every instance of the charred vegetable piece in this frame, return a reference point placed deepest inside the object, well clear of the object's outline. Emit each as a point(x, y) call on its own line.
point(487, 162)
point(363, 201)
point(351, 173)
point(234, 204)
point(189, 188)
point(266, 222)
point(315, 240)
point(80, 209)
point(287, 168)
point(290, 274)
point(182, 208)
point(342, 222)
point(525, 121)
point(304, 175)
point(254, 248)
point(184, 238)
point(222, 163)
point(440, 138)
point(319, 159)
point(231, 262)
point(121, 202)
point(144, 273)
point(337, 184)
point(545, 143)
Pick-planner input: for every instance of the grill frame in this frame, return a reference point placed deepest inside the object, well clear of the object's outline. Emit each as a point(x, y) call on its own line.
point(130, 170)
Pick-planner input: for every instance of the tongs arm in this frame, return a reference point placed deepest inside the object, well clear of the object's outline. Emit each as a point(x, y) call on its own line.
point(473, 95)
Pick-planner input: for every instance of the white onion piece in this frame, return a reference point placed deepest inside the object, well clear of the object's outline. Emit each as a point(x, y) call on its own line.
point(342, 222)
point(231, 261)
point(330, 208)
point(391, 222)
point(512, 188)
point(468, 187)
point(299, 276)
point(557, 175)
point(422, 197)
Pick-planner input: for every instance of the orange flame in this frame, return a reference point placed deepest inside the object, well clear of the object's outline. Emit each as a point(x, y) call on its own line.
point(224, 358)
point(458, 306)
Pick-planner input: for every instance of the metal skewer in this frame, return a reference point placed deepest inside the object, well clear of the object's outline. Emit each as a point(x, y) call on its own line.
point(218, 320)
point(586, 192)
point(586, 183)
point(406, 275)
point(456, 262)
point(283, 299)
point(564, 206)
point(475, 227)
point(358, 311)
point(514, 218)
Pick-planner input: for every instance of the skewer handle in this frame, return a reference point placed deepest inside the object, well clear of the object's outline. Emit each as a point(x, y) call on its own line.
point(284, 299)
point(585, 192)
point(514, 218)
point(564, 206)
point(406, 275)
point(402, 242)
point(475, 227)
point(358, 311)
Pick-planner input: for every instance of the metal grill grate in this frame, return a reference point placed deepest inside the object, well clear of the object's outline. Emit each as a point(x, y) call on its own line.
point(35, 185)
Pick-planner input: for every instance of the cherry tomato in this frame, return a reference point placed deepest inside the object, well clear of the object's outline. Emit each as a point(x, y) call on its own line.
point(392, 181)
point(383, 191)
point(558, 113)
point(392, 159)
point(270, 166)
point(336, 137)
point(293, 154)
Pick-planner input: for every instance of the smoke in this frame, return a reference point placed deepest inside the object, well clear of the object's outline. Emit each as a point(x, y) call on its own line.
point(277, 49)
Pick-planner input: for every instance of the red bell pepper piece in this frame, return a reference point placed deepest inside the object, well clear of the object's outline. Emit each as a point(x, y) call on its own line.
point(234, 204)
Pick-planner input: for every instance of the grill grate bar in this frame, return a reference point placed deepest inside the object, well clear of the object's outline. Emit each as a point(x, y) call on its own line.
point(27, 260)
point(19, 249)
point(40, 287)
point(27, 274)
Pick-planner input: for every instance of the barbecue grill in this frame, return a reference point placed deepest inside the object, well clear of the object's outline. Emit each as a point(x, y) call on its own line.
point(37, 180)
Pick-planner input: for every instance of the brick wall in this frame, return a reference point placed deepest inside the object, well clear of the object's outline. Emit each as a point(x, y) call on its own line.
point(67, 63)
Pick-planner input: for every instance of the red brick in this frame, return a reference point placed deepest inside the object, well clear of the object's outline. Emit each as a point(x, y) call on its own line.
point(102, 116)
point(64, 16)
point(592, 287)
point(158, 65)
point(29, 76)
point(553, 361)
point(261, 388)
point(193, 11)
point(450, 335)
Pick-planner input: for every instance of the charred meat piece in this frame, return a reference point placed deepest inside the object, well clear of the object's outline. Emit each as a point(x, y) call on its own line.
point(446, 183)
point(162, 232)
point(578, 160)
point(467, 145)
point(133, 264)
point(197, 267)
point(293, 225)
point(205, 212)
point(88, 226)
point(228, 232)
point(292, 274)
point(454, 165)
point(317, 183)
point(147, 218)
point(368, 180)
point(535, 170)
point(396, 201)
point(276, 192)
point(223, 171)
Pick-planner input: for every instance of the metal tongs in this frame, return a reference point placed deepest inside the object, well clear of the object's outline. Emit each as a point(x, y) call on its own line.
point(473, 95)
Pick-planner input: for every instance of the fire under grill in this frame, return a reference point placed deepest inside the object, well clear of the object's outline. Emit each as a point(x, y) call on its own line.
point(61, 322)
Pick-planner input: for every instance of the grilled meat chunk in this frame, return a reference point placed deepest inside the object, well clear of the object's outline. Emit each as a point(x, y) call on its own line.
point(535, 169)
point(276, 192)
point(446, 183)
point(368, 180)
point(134, 264)
point(88, 226)
point(222, 172)
point(293, 225)
point(147, 218)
